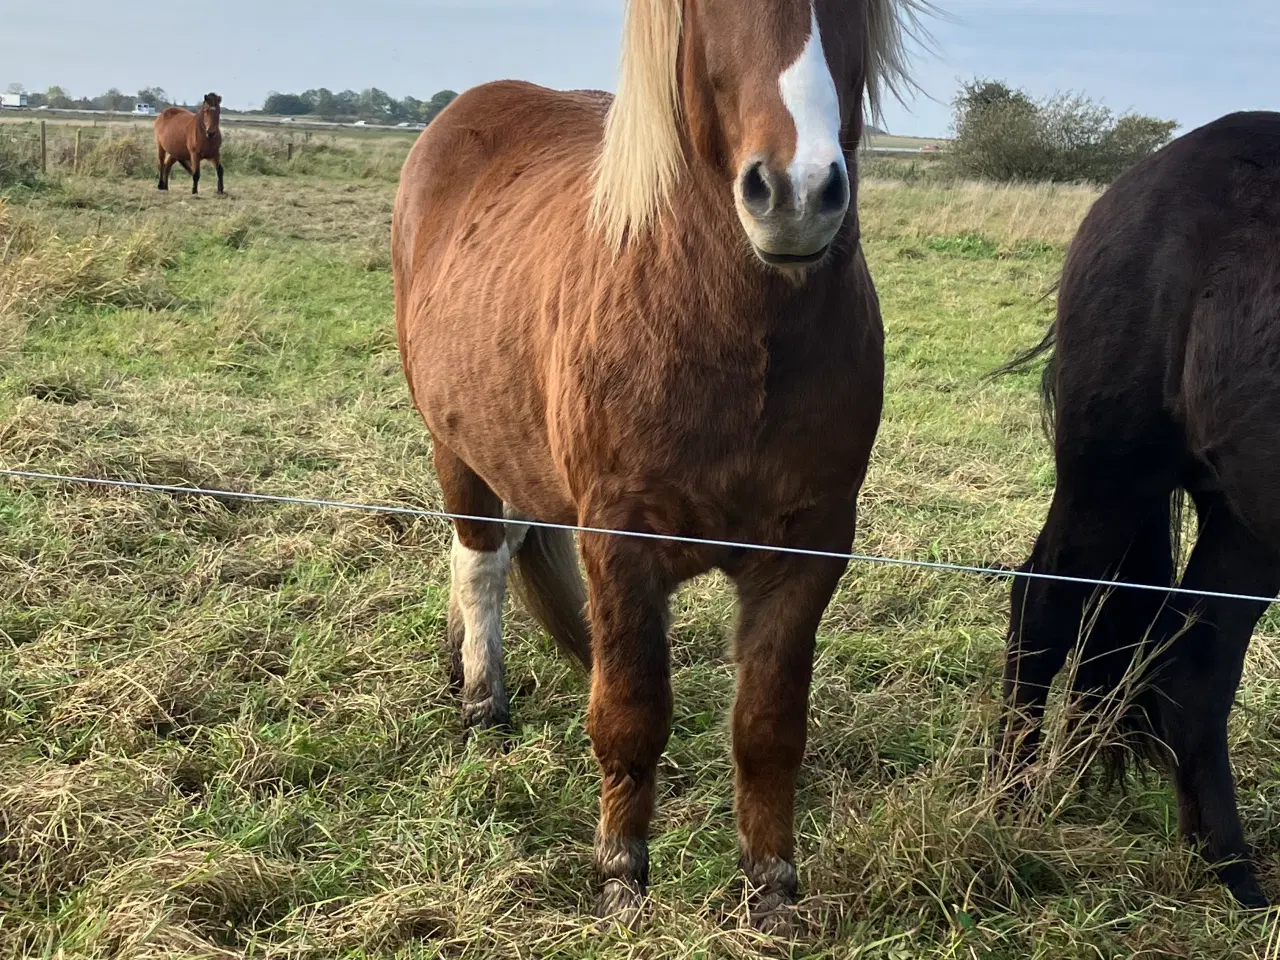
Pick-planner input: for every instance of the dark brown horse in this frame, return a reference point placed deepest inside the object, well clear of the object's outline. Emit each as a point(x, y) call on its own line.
point(1165, 378)
point(652, 313)
point(187, 138)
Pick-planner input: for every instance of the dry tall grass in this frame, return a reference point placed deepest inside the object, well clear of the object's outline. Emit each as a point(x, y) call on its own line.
point(1010, 214)
point(41, 275)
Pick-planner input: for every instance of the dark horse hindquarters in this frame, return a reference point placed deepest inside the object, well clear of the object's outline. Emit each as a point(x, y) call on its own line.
point(1165, 378)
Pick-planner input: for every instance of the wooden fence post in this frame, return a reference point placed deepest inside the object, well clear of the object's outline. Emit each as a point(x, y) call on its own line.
point(289, 151)
point(44, 149)
point(75, 157)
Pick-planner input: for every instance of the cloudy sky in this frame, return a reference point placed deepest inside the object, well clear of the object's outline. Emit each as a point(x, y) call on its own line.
point(1181, 59)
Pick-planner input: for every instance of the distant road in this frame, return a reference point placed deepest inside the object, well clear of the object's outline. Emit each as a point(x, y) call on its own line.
point(898, 144)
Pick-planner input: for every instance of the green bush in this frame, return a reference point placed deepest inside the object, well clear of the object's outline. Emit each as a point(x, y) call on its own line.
point(1002, 134)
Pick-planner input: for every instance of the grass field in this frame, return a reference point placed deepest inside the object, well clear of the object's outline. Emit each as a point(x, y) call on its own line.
point(227, 729)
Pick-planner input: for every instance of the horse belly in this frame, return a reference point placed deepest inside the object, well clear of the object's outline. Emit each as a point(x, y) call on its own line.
point(480, 397)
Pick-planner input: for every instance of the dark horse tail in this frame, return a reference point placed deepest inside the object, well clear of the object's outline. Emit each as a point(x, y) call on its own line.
point(1048, 378)
point(547, 580)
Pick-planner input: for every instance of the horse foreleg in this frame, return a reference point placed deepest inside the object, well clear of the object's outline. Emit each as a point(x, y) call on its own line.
point(629, 717)
point(195, 173)
point(163, 162)
point(217, 165)
point(781, 599)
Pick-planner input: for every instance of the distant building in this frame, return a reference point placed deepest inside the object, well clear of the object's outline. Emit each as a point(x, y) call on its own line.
point(13, 101)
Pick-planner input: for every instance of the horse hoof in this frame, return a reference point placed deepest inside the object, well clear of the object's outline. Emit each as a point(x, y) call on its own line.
point(774, 915)
point(1251, 898)
point(1248, 893)
point(486, 714)
point(1013, 799)
point(621, 903)
point(772, 884)
point(1008, 778)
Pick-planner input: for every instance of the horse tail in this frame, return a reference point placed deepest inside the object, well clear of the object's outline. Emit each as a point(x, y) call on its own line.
point(1048, 378)
point(546, 577)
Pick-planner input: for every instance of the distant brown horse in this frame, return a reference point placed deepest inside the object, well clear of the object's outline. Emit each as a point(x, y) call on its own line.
point(1165, 378)
point(652, 312)
point(187, 138)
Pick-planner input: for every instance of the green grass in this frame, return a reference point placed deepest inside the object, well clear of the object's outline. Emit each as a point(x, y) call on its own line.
point(226, 729)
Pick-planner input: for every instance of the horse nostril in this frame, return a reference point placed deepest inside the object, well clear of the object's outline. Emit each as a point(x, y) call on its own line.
point(835, 192)
point(757, 195)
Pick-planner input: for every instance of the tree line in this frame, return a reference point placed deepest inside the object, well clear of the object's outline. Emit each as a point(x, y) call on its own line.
point(58, 98)
point(322, 104)
point(372, 104)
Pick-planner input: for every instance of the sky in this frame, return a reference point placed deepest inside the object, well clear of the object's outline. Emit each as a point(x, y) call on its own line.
point(1184, 60)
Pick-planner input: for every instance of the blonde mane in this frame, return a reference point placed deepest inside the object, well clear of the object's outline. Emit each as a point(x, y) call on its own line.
point(641, 158)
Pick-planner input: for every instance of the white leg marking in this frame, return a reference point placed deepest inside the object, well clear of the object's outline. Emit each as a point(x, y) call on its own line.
point(809, 94)
point(479, 586)
point(516, 532)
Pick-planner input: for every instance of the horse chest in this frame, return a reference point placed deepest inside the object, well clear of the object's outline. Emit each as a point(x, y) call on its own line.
point(753, 434)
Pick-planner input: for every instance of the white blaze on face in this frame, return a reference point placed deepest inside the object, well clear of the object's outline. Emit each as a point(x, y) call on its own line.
point(809, 94)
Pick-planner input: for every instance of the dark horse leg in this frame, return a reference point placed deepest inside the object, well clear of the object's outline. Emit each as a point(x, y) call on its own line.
point(629, 717)
point(1198, 677)
point(782, 598)
point(164, 164)
point(479, 563)
point(195, 174)
point(1103, 534)
point(217, 165)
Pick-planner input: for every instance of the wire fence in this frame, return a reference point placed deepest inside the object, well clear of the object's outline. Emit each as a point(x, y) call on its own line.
point(866, 558)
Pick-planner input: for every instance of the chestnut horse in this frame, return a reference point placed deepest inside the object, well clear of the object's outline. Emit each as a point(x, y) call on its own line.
point(651, 312)
point(187, 138)
point(1165, 377)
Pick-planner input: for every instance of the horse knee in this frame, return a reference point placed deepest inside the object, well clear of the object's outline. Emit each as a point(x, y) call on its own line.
point(628, 733)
